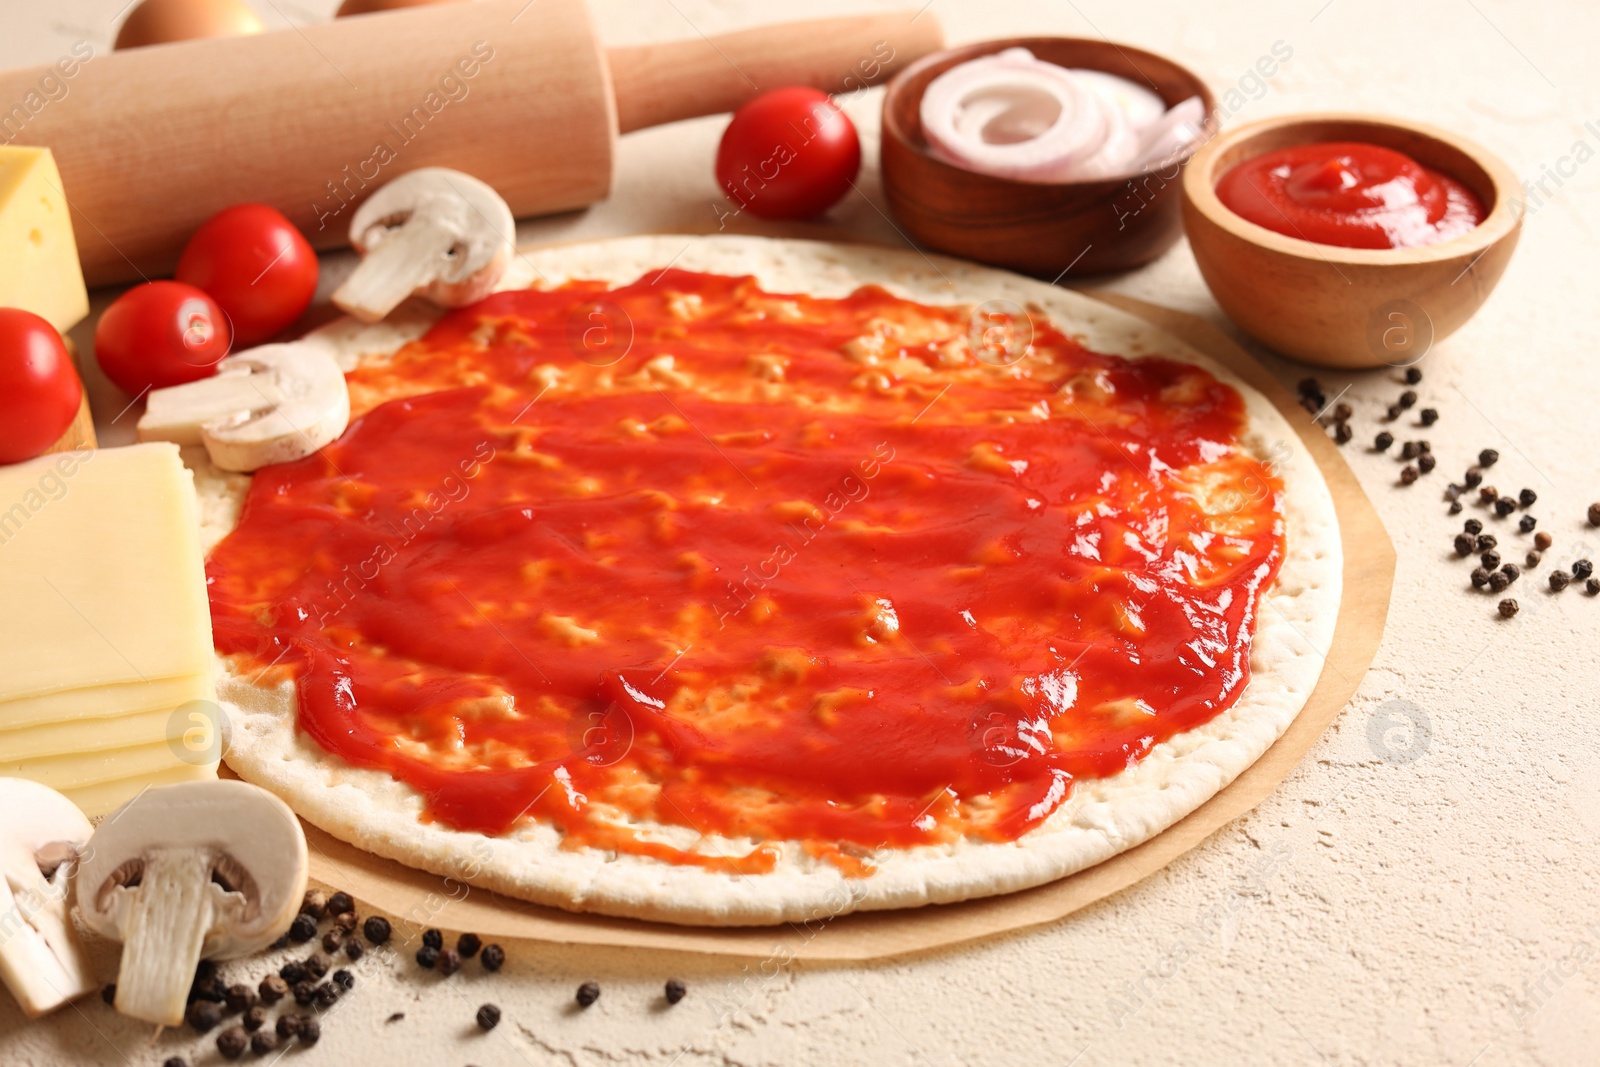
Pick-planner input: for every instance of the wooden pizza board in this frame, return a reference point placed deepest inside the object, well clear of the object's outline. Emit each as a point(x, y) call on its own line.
point(415, 897)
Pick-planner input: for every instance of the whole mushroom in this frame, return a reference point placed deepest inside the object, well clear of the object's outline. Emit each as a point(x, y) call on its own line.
point(198, 870)
point(41, 835)
point(436, 233)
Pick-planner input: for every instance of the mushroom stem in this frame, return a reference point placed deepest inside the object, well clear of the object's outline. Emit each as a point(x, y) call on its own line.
point(41, 959)
point(164, 928)
point(404, 261)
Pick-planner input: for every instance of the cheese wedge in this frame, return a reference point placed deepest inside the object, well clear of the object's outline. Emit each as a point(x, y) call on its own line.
point(39, 269)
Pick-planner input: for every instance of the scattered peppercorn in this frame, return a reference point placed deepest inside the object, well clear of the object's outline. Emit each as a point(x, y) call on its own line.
point(340, 903)
point(588, 993)
point(1465, 543)
point(326, 996)
point(344, 979)
point(1486, 542)
point(1592, 587)
point(1542, 540)
point(317, 964)
point(303, 929)
point(293, 972)
point(207, 986)
point(204, 1015)
point(1508, 608)
point(376, 929)
point(1342, 433)
point(676, 990)
point(332, 940)
point(1594, 514)
point(263, 1042)
point(1424, 446)
point(1452, 491)
point(288, 1025)
point(1413, 375)
point(272, 989)
point(1527, 523)
point(1312, 404)
point(396, 1017)
point(240, 997)
point(281, 943)
point(1408, 474)
point(468, 945)
point(1582, 568)
point(1498, 582)
point(1429, 416)
point(1559, 580)
point(1409, 450)
point(1394, 412)
point(305, 992)
point(315, 904)
point(493, 957)
point(353, 949)
point(254, 1018)
point(449, 962)
point(1455, 507)
point(1480, 577)
point(488, 1017)
point(1511, 571)
point(232, 1042)
point(1504, 506)
point(310, 1030)
point(1342, 412)
point(1426, 462)
point(433, 939)
point(1527, 497)
point(345, 921)
point(1488, 457)
point(1534, 556)
point(1488, 494)
point(1473, 479)
point(1383, 441)
point(1491, 559)
point(108, 993)
point(427, 956)
point(1473, 526)
point(1309, 386)
point(1408, 398)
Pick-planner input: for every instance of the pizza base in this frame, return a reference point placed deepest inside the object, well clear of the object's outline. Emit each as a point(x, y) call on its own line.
point(376, 812)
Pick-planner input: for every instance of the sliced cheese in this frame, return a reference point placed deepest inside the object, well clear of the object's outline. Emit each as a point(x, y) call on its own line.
point(62, 738)
point(102, 702)
point(101, 573)
point(81, 769)
point(103, 798)
point(39, 269)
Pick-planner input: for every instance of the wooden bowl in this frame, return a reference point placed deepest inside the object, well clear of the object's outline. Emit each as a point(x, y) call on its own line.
point(1349, 307)
point(1034, 228)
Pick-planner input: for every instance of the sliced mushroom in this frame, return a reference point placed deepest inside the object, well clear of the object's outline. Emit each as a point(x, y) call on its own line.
point(41, 959)
point(199, 870)
point(270, 404)
point(435, 232)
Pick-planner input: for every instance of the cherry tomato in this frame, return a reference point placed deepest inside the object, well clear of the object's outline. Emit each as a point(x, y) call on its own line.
point(788, 154)
point(39, 389)
point(255, 265)
point(160, 334)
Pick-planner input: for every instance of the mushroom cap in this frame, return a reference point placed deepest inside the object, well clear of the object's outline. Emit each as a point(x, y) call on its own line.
point(42, 827)
point(312, 407)
point(256, 845)
point(477, 215)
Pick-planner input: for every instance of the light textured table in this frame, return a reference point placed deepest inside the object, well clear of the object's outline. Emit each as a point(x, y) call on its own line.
point(1421, 890)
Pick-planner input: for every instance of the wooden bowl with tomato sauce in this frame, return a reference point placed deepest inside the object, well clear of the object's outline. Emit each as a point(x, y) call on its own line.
point(1349, 307)
point(1036, 228)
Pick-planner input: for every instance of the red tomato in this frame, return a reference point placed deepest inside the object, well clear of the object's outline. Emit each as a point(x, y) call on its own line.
point(160, 334)
point(39, 389)
point(255, 265)
point(788, 154)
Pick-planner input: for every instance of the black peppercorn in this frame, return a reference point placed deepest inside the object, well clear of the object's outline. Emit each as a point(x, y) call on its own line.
point(281, 943)
point(1312, 404)
point(1394, 412)
point(344, 979)
point(240, 997)
point(310, 1030)
point(1486, 542)
point(1582, 568)
point(493, 957)
point(1409, 450)
point(204, 1015)
point(1504, 506)
point(1534, 557)
point(1511, 571)
point(108, 993)
point(1452, 491)
point(317, 964)
point(588, 993)
point(263, 1042)
point(1527, 498)
point(1592, 587)
point(449, 962)
point(1559, 580)
point(1491, 559)
point(1408, 398)
point(377, 929)
point(676, 990)
point(1473, 479)
point(1413, 375)
point(1309, 386)
point(1480, 577)
point(326, 996)
point(303, 929)
point(332, 940)
point(1465, 543)
point(1342, 433)
point(1408, 474)
point(353, 949)
point(273, 989)
point(305, 992)
point(488, 1017)
point(1488, 494)
point(345, 921)
point(254, 1018)
point(1455, 507)
point(1594, 514)
point(1426, 462)
point(433, 939)
point(1429, 416)
point(427, 956)
point(1342, 412)
point(1542, 540)
point(288, 1025)
point(315, 904)
point(1498, 582)
point(1473, 526)
point(1383, 441)
point(232, 1042)
point(207, 986)
point(340, 903)
point(468, 945)
point(1488, 457)
point(1508, 608)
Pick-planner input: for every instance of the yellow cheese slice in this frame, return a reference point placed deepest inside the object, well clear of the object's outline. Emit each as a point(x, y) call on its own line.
point(39, 269)
point(103, 702)
point(80, 769)
point(101, 573)
point(62, 738)
point(105, 797)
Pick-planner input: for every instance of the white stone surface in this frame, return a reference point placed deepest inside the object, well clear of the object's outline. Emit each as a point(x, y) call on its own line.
point(1418, 897)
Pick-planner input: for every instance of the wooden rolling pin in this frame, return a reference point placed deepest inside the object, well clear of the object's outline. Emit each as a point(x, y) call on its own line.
point(152, 141)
